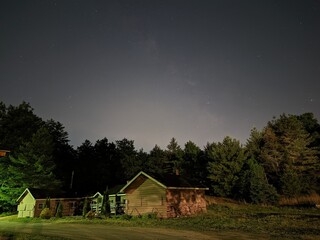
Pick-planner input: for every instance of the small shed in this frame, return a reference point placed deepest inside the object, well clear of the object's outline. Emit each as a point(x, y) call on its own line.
point(117, 200)
point(96, 202)
point(32, 201)
point(166, 195)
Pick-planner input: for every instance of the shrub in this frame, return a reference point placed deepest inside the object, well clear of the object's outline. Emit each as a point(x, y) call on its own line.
point(126, 217)
point(59, 210)
point(90, 215)
point(152, 215)
point(86, 207)
point(45, 213)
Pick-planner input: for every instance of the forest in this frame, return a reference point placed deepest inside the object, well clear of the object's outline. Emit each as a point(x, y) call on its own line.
point(280, 160)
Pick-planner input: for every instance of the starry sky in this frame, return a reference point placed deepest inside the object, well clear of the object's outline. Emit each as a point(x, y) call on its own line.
point(150, 70)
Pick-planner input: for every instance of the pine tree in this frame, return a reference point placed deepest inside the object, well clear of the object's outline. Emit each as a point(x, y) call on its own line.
point(253, 185)
point(287, 146)
point(30, 166)
point(225, 161)
point(174, 160)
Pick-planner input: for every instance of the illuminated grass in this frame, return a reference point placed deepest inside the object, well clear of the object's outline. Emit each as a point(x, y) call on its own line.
point(273, 222)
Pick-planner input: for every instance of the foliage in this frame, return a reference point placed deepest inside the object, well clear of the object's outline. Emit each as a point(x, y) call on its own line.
point(254, 186)
point(194, 163)
point(128, 158)
point(156, 160)
point(173, 164)
point(105, 209)
point(225, 161)
point(284, 156)
point(47, 203)
point(59, 210)
point(286, 153)
point(90, 214)
point(17, 125)
point(46, 213)
point(86, 207)
point(30, 166)
point(234, 220)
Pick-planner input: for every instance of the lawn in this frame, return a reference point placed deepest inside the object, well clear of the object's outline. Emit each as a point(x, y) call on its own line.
point(225, 221)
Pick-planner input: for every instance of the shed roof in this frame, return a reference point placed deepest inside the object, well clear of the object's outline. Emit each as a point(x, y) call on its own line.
point(44, 193)
point(167, 181)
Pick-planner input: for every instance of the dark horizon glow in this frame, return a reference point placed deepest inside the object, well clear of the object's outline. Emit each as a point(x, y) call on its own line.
point(153, 70)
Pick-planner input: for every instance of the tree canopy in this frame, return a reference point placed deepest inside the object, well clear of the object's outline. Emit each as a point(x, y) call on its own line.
point(282, 159)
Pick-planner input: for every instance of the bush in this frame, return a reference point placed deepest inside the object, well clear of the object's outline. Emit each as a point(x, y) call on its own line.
point(126, 217)
point(90, 214)
point(45, 213)
point(59, 210)
point(152, 215)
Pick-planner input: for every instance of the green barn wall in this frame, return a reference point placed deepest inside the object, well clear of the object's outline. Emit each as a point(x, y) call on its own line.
point(148, 197)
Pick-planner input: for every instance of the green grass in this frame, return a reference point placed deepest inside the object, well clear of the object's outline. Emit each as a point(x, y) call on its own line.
point(276, 223)
point(25, 236)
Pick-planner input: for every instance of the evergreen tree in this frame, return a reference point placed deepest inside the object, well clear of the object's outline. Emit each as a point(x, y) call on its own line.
point(173, 164)
point(287, 146)
point(156, 161)
point(225, 161)
point(64, 156)
point(105, 209)
point(31, 166)
point(59, 210)
point(17, 125)
point(127, 156)
point(194, 163)
point(253, 185)
point(85, 169)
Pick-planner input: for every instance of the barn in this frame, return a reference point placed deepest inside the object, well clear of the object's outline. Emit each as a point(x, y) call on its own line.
point(32, 201)
point(166, 195)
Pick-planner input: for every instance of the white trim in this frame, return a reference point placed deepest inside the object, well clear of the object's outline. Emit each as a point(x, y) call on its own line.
point(146, 175)
point(26, 190)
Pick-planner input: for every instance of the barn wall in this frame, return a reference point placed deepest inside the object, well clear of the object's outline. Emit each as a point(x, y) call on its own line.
point(68, 206)
point(185, 202)
point(148, 197)
point(26, 206)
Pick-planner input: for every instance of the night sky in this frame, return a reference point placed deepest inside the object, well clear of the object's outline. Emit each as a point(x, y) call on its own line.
point(152, 70)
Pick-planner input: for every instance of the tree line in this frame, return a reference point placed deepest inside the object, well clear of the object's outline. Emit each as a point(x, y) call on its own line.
point(282, 159)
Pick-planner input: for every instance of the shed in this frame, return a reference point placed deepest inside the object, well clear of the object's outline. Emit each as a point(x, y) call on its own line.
point(166, 195)
point(32, 201)
point(96, 202)
point(117, 200)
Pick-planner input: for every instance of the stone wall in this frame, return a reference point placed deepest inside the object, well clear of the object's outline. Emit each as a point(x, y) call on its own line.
point(185, 202)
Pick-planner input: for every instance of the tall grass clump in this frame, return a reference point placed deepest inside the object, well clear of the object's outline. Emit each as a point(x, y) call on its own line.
point(312, 200)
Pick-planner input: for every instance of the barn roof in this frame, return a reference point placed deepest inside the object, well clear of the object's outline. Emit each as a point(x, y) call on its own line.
point(167, 181)
point(44, 193)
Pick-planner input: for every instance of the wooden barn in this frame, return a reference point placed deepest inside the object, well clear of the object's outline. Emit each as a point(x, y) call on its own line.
point(167, 196)
point(32, 201)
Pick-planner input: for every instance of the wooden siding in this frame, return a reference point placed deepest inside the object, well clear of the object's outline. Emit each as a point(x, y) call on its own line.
point(185, 202)
point(146, 197)
point(26, 206)
point(69, 206)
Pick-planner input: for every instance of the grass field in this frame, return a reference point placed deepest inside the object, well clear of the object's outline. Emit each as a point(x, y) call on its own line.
point(223, 221)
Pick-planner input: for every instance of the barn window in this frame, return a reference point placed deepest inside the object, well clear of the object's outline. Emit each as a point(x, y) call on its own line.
point(72, 205)
point(40, 206)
